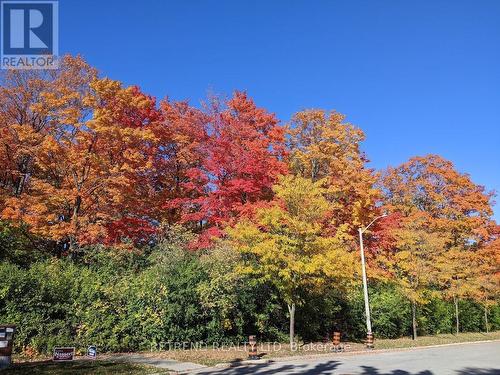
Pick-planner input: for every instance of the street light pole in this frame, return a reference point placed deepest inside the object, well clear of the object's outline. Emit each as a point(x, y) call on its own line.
point(369, 333)
point(365, 284)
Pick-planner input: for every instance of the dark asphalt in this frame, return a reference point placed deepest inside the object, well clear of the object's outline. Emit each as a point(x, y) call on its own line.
point(467, 359)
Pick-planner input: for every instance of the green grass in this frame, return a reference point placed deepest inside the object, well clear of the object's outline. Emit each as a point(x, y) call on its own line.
point(437, 340)
point(79, 367)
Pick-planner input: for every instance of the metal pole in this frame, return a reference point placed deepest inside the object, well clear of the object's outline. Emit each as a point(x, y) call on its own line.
point(369, 334)
point(365, 286)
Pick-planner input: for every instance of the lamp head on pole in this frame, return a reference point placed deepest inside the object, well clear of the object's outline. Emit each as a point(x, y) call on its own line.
point(374, 220)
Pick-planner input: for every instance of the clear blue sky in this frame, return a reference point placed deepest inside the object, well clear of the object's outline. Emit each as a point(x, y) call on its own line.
point(418, 76)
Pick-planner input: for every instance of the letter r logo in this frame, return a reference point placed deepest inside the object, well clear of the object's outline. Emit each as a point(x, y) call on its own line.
point(17, 28)
point(29, 28)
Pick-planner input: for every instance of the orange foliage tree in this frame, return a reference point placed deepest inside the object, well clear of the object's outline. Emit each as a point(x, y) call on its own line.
point(429, 190)
point(75, 154)
point(323, 145)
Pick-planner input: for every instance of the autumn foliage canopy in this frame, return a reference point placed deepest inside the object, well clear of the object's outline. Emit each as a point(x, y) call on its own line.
point(85, 160)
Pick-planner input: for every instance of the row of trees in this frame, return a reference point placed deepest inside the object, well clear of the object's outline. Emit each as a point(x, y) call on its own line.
point(86, 161)
point(438, 238)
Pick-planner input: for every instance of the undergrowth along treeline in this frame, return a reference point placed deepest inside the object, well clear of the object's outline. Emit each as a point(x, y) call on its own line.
point(127, 222)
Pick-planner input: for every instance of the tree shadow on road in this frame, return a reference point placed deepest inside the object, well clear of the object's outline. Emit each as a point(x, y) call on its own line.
point(368, 370)
point(262, 369)
point(328, 368)
point(479, 371)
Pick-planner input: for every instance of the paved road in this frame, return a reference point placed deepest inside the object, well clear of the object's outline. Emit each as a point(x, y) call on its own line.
point(469, 359)
point(162, 363)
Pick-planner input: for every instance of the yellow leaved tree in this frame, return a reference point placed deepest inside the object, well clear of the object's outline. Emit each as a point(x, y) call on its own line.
point(285, 243)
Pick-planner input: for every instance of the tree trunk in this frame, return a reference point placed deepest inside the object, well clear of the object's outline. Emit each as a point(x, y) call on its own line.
point(486, 319)
point(457, 321)
point(291, 310)
point(75, 223)
point(414, 319)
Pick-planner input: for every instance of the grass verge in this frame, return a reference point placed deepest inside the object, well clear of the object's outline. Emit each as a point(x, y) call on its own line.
point(80, 367)
point(210, 356)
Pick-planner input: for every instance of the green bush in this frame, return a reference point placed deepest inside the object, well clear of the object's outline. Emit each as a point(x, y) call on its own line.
point(494, 318)
point(391, 313)
point(128, 300)
point(471, 316)
point(123, 302)
point(40, 301)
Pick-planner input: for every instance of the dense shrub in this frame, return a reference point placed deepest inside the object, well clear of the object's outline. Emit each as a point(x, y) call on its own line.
point(390, 312)
point(110, 301)
point(436, 317)
point(494, 318)
point(123, 300)
point(40, 300)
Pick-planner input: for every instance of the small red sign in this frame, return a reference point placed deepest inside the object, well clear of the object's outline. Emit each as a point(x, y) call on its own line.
point(64, 354)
